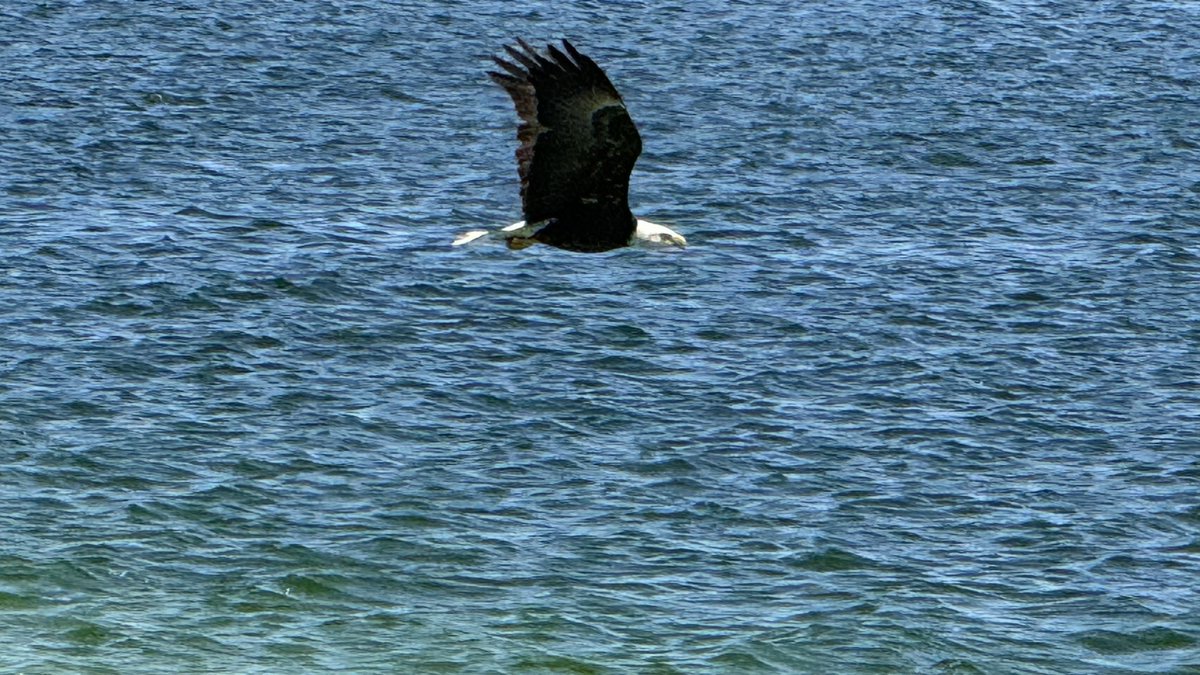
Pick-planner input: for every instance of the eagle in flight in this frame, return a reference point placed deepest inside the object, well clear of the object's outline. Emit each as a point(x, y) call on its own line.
point(577, 147)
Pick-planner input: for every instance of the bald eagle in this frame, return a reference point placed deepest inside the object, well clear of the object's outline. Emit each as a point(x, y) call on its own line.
point(577, 147)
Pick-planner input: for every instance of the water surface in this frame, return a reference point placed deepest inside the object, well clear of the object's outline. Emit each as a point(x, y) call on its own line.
point(922, 396)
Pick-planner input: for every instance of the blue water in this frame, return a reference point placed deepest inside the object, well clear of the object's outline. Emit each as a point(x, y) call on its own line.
point(923, 395)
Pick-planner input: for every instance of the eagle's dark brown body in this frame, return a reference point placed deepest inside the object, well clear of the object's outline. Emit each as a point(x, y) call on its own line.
point(577, 148)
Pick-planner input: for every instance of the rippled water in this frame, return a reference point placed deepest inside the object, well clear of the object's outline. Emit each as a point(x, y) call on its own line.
point(923, 395)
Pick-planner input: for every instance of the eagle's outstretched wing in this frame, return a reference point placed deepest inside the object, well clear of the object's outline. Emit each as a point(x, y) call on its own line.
point(577, 142)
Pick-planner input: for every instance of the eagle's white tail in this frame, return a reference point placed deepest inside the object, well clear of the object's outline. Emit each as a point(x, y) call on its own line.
point(516, 230)
point(468, 237)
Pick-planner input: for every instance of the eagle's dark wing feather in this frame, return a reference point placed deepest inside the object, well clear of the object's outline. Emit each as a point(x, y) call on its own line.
point(577, 142)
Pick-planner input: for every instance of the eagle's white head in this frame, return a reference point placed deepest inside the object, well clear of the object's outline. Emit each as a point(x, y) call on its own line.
point(653, 234)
